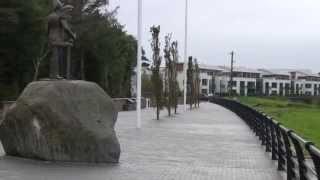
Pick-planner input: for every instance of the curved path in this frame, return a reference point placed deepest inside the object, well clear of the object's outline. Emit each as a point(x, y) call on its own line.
point(205, 144)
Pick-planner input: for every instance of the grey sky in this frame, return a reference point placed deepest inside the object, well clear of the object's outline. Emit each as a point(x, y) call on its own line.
point(264, 33)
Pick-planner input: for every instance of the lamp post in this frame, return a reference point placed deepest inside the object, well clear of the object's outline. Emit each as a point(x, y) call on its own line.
point(139, 54)
point(185, 57)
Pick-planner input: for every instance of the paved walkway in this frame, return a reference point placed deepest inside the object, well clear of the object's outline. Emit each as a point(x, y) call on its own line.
point(205, 144)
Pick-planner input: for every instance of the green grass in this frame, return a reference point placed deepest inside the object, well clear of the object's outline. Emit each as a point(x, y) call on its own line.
point(303, 118)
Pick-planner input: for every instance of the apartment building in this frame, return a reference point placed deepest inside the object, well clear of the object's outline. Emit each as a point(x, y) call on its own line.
point(275, 82)
point(306, 83)
point(215, 80)
point(209, 76)
point(244, 81)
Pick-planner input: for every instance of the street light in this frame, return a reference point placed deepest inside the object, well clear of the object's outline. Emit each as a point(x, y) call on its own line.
point(185, 57)
point(139, 55)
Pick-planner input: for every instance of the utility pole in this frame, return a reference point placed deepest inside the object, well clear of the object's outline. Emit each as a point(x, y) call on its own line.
point(231, 74)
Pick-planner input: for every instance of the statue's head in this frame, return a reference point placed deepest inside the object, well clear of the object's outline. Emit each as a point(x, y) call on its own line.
point(57, 5)
point(67, 8)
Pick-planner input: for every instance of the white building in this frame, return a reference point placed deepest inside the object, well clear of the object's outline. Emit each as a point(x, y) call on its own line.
point(215, 80)
point(275, 82)
point(244, 80)
point(209, 76)
point(306, 83)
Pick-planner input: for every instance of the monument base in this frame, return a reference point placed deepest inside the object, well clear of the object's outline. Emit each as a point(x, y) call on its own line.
point(70, 121)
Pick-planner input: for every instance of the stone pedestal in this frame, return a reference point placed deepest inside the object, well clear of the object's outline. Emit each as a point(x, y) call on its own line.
point(69, 121)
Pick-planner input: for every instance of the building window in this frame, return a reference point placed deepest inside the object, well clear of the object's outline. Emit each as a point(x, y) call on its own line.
point(234, 83)
point(204, 91)
point(210, 73)
point(274, 85)
point(204, 82)
point(308, 85)
point(287, 86)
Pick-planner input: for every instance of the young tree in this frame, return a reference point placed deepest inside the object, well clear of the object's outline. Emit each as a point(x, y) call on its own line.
point(175, 57)
point(169, 91)
point(190, 81)
point(197, 83)
point(38, 61)
point(156, 76)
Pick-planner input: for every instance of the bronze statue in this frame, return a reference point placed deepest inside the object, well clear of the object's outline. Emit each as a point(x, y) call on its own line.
point(61, 38)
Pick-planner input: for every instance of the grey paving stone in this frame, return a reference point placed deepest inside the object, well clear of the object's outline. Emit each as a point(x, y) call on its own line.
point(203, 144)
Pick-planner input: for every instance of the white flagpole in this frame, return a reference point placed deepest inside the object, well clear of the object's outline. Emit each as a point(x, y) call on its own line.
point(185, 57)
point(139, 54)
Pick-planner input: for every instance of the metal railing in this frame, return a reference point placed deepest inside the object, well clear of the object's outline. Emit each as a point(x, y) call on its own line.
point(298, 158)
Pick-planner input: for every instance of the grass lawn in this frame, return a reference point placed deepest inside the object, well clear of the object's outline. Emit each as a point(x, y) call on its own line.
point(303, 118)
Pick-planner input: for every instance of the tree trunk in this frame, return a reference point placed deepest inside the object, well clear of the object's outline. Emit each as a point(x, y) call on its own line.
point(158, 112)
point(82, 73)
point(35, 76)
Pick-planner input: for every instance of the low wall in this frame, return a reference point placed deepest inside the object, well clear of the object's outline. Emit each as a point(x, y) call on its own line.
point(129, 104)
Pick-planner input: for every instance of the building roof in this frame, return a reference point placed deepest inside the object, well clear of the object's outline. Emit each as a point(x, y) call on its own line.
point(307, 73)
point(279, 72)
point(240, 69)
point(210, 67)
point(287, 72)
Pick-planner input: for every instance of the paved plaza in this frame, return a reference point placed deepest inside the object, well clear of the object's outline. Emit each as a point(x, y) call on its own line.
point(204, 144)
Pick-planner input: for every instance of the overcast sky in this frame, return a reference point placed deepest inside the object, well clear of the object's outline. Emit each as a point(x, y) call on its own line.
point(263, 33)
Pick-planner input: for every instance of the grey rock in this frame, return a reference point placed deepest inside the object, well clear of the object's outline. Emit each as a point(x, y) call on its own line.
point(69, 121)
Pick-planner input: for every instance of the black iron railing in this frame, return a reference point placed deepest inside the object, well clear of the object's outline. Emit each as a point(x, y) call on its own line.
point(298, 158)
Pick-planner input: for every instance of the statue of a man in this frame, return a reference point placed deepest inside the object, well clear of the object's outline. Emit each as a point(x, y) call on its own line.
point(61, 37)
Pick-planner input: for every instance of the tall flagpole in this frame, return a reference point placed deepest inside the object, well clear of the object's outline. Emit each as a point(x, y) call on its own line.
point(185, 57)
point(139, 54)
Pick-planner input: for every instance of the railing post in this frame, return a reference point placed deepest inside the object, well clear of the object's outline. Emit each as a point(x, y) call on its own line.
point(274, 145)
point(263, 133)
point(300, 155)
point(315, 155)
point(268, 133)
point(290, 164)
point(281, 151)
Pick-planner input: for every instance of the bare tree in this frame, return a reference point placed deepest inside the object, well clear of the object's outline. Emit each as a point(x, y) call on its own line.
point(197, 83)
point(168, 74)
point(38, 60)
point(157, 85)
point(190, 82)
point(175, 57)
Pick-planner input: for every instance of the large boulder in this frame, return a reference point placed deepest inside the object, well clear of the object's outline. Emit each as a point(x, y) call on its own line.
point(69, 121)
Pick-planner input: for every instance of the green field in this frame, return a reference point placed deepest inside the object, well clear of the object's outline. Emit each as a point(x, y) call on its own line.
point(301, 117)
